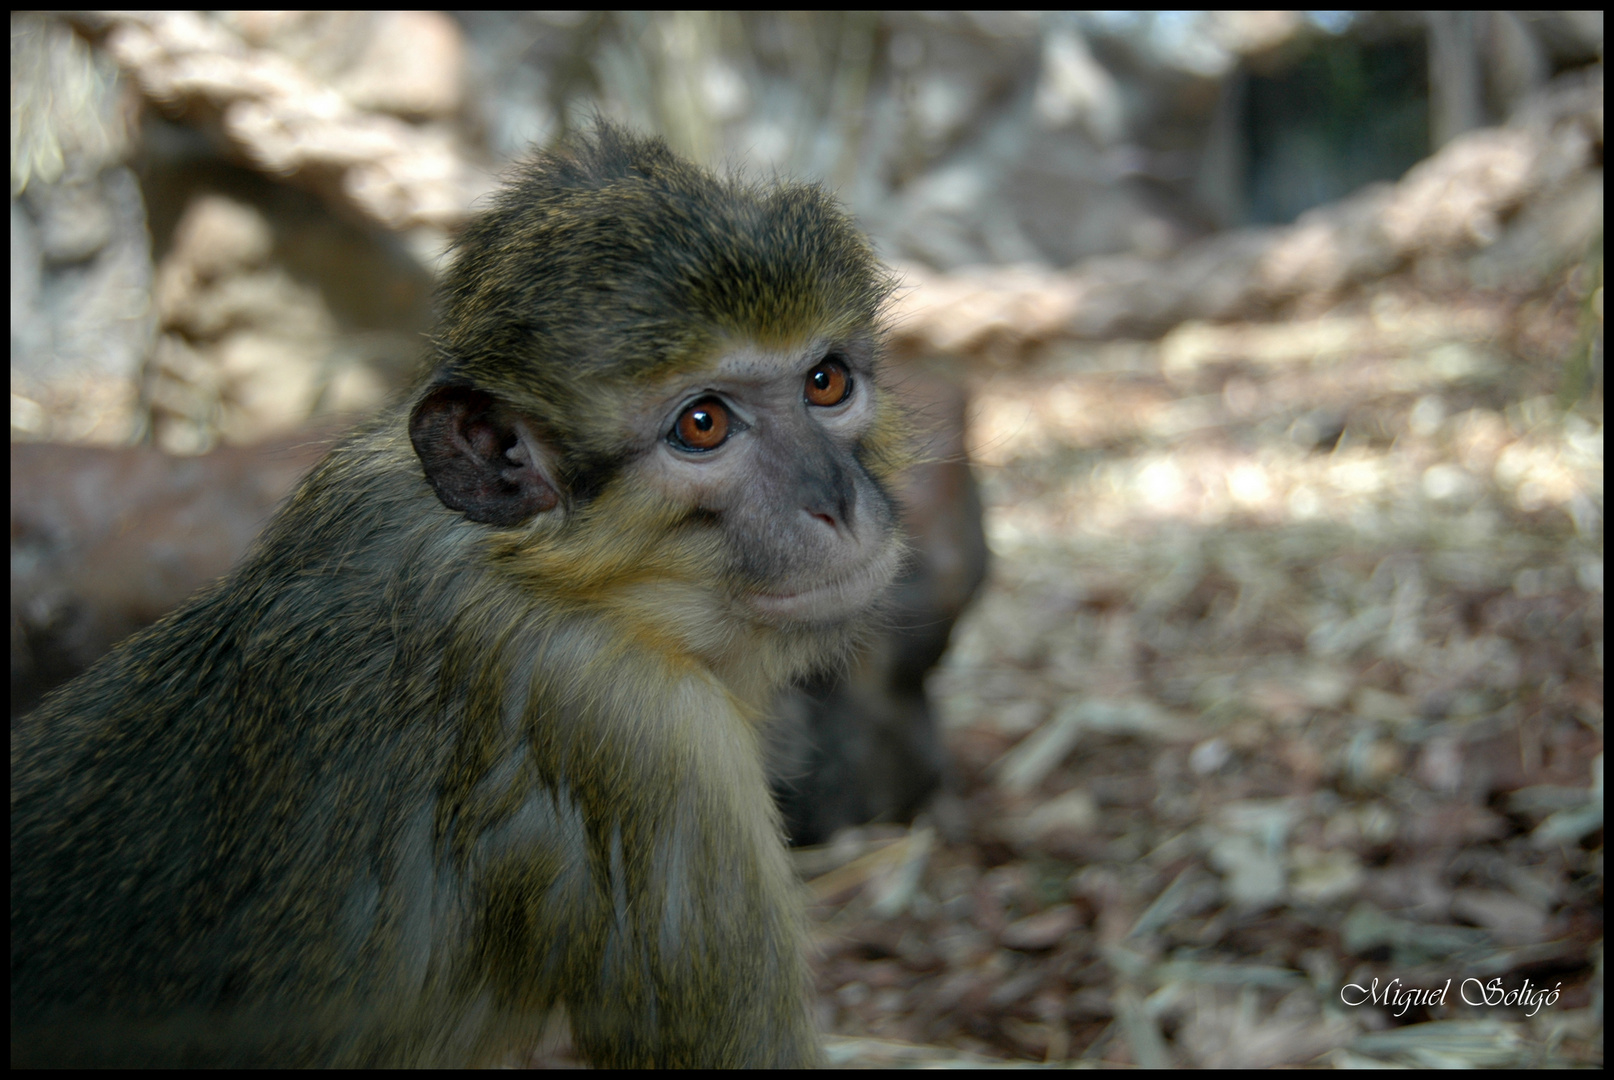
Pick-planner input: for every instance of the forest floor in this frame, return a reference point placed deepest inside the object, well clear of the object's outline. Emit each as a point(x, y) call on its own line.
point(1277, 730)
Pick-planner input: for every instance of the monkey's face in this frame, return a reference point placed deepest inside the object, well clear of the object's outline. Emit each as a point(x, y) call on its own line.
point(764, 450)
point(658, 387)
point(752, 485)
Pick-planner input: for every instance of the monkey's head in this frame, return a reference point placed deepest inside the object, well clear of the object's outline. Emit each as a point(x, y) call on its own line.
point(658, 387)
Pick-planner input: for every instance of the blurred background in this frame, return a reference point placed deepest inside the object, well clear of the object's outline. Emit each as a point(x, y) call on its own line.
point(1253, 650)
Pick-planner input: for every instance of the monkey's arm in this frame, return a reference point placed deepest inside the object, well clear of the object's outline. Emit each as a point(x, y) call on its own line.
point(653, 885)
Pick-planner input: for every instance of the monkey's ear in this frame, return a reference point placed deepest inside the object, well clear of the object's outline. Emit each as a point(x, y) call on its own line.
point(481, 457)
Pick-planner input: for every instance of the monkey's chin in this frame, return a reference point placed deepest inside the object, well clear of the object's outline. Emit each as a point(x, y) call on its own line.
point(834, 601)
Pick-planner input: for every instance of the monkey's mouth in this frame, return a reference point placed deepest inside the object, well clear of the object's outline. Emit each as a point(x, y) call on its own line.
point(833, 601)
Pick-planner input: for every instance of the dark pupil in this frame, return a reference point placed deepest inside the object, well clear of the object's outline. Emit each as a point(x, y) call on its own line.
point(821, 379)
point(703, 420)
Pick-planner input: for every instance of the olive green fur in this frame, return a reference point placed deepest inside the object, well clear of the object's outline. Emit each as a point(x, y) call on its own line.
point(401, 783)
point(611, 260)
point(455, 744)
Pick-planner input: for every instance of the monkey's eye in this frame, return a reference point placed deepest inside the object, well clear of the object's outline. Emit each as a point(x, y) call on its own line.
point(703, 426)
point(829, 383)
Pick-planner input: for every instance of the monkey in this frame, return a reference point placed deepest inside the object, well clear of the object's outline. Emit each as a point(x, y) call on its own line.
point(473, 734)
point(859, 743)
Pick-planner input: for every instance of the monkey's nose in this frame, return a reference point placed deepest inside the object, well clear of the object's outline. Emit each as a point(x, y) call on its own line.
point(835, 515)
point(829, 506)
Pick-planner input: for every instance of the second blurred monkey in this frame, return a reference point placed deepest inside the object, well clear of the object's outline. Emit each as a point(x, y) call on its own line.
point(861, 743)
point(473, 732)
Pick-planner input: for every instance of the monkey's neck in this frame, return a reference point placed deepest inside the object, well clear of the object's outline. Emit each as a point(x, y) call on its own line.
point(678, 629)
point(669, 601)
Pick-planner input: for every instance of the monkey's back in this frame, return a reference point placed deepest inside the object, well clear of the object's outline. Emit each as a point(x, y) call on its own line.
point(172, 849)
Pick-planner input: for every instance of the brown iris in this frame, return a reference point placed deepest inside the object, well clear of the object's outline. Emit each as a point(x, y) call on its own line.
point(704, 425)
point(828, 384)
